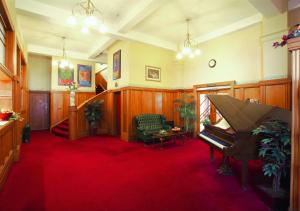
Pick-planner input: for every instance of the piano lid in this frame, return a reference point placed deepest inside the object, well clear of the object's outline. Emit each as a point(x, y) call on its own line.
point(244, 116)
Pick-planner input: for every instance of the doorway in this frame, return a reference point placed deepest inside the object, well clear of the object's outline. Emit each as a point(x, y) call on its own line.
point(39, 110)
point(117, 111)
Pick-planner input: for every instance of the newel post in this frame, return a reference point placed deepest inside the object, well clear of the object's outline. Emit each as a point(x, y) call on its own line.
point(72, 122)
point(294, 48)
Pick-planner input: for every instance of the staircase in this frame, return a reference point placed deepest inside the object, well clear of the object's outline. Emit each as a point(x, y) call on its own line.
point(61, 129)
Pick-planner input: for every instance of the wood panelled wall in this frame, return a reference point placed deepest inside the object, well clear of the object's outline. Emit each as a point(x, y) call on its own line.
point(13, 70)
point(136, 101)
point(59, 104)
point(270, 92)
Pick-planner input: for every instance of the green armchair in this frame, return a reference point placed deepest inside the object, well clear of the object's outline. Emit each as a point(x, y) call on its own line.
point(148, 124)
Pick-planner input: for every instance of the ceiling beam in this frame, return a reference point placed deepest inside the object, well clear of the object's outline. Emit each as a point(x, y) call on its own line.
point(37, 49)
point(230, 28)
point(270, 8)
point(120, 32)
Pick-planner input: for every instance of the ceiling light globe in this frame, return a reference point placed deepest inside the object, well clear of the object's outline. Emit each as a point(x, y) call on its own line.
point(71, 66)
point(198, 52)
point(85, 30)
point(179, 56)
point(103, 28)
point(191, 55)
point(90, 21)
point(72, 20)
point(186, 50)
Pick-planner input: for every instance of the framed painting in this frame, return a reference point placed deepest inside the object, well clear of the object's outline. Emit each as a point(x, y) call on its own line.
point(117, 65)
point(84, 75)
point(65, 76)
point(153, 73)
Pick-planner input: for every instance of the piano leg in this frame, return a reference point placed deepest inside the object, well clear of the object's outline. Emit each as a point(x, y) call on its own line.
point(212, 158)
point(244, 174)
point(225, 168)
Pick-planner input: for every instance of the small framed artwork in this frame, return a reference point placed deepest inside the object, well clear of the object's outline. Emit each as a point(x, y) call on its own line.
point(65, 76)
point(117, 65)
point(153, 73)
point(84, 75)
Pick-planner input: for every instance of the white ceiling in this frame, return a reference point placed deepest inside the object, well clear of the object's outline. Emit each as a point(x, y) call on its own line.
point(156, 22)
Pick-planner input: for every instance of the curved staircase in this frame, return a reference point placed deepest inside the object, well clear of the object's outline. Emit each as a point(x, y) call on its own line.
point(61, 129)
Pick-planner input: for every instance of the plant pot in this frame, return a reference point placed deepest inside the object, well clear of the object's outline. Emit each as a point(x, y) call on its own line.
point(93, 128)
point(276, 201)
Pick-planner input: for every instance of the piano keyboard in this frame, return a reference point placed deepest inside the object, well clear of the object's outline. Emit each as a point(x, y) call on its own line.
point(218, 143)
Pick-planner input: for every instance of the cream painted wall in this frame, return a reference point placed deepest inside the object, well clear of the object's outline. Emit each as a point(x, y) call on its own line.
point(75, 62)
point(125, 71)
point(142, 55)
point(238, 57)
point(275, 61)
point(39, 73)
point(135, 57)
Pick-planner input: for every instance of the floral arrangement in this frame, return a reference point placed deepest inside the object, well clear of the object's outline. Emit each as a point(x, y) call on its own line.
point(73, 86)
point(16, 116)
point(294, 32)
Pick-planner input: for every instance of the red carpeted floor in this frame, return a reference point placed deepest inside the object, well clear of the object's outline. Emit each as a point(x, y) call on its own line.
point(103, 173)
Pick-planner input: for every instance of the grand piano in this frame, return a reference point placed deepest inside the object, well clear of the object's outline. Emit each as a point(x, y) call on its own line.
point(232, 135)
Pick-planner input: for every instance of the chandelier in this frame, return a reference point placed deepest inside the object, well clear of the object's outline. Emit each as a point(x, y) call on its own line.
point(190, 47)
point(63, 62)
point(88, 16)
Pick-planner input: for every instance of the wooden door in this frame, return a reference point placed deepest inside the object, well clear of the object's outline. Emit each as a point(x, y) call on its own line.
point(39, 110)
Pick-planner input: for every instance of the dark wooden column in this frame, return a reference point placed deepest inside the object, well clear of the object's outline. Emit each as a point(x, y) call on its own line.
point(294, 47)
point(72, 122)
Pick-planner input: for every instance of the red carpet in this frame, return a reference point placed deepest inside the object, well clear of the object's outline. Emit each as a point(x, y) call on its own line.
point(103, 173)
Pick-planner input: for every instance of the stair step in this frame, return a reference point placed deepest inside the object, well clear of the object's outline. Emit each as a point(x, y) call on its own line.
point(59, 132)
point(63, 127)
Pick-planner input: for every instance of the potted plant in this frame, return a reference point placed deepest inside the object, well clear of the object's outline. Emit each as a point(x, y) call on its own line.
point(93, 114)
point(186, 108)
point(275, 151)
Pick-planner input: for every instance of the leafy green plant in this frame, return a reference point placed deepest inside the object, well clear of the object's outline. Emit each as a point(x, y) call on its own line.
point(275, 149)
point(186, 108)
point(93, 113)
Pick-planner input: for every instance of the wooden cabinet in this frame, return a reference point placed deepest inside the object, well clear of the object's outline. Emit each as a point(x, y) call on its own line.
point(6, 150)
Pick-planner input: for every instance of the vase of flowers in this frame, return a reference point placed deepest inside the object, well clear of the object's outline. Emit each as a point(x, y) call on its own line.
point(73, 87)
point(293, 33)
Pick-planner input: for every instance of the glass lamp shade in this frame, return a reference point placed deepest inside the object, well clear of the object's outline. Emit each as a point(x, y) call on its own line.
point(90, 21)
point(72, 20)
point(85, 30)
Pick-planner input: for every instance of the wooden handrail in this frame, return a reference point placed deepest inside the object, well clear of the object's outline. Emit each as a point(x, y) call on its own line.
point(91, 99)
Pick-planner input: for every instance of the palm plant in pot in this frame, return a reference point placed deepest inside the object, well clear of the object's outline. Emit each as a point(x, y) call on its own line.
point(275, 151)
point(186, 108)
point(93, 114)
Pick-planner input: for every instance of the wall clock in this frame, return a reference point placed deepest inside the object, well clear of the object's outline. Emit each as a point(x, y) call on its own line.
point(212, 63)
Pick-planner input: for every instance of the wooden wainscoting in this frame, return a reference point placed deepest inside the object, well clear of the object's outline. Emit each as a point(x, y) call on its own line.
point(136, 101)
point(271, 92)
point(59, 104)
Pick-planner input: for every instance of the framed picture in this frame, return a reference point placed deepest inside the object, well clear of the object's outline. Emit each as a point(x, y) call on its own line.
point(84, 75)
point(153, 73)
point(117, 65)
point(65, 76)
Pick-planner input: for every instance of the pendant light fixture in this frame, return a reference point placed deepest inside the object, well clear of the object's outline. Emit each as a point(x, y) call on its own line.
point(63, 62)
point(190, 47)
point(88, 16)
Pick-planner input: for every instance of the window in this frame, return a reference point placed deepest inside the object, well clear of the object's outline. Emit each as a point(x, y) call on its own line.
point(2, 41)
